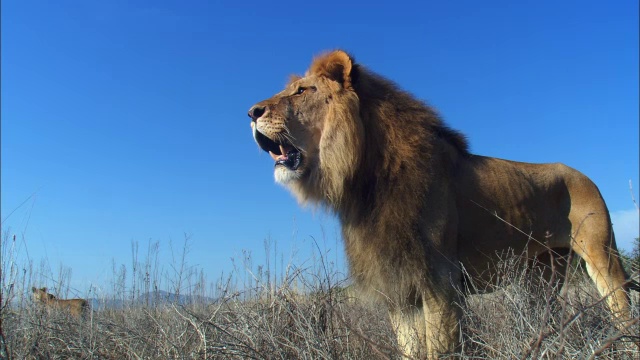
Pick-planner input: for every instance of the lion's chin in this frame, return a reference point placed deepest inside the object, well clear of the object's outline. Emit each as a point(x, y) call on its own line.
point(286, 176)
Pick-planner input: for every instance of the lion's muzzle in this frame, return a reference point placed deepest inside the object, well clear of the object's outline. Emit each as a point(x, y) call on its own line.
point(282, 151)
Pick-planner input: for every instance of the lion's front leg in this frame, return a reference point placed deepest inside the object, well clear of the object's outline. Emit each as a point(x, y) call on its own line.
point(442, 324)
point(427, 331)
point(409, 325)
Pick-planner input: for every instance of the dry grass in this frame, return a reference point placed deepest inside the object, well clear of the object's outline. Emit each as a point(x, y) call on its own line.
point(524, 317)
point(308, 314)
point(283, 325)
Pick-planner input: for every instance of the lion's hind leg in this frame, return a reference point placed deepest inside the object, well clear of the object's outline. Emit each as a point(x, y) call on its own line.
point(610, 284)
point(592, 239)
point(605, 268)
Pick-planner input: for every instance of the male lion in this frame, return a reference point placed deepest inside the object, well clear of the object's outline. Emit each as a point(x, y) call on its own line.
point(76, 307)
point(416, 206)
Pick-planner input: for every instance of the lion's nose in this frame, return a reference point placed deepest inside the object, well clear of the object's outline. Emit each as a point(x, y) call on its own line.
point(256, 111)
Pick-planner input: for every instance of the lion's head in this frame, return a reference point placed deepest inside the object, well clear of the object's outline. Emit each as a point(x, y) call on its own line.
point(312, 129)
point(329, 134)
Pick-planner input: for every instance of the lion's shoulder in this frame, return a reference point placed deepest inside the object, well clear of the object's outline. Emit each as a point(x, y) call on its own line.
point(454, 138)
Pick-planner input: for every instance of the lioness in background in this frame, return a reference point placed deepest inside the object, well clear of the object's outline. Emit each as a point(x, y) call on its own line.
point(415, 204)
point(76, 307)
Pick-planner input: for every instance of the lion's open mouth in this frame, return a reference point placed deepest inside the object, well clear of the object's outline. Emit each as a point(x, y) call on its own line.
point(283, 153)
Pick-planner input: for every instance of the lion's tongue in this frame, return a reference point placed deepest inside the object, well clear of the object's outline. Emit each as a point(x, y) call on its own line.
point(283, 156)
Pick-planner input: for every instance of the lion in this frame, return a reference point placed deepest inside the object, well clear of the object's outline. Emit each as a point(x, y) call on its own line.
point(76, 307)
point(416, 207)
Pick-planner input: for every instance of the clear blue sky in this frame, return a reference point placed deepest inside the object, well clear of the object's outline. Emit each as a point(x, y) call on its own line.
point(127, 120)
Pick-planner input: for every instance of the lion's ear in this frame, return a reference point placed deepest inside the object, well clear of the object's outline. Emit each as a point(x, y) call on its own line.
point(336, 65)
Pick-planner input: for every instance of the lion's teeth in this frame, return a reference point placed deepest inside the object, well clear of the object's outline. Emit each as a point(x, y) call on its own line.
point(283, 151)
point(278, 157)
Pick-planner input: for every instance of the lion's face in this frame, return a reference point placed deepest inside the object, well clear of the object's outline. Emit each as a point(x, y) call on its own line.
point(312, 129)
point(41, 294)
point(289, 127)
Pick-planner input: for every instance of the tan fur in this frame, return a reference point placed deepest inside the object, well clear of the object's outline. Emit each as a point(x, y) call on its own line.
point(76, 307)
point(415, 205)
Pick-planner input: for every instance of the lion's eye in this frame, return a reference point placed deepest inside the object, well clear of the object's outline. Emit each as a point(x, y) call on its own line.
point(301, 90)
